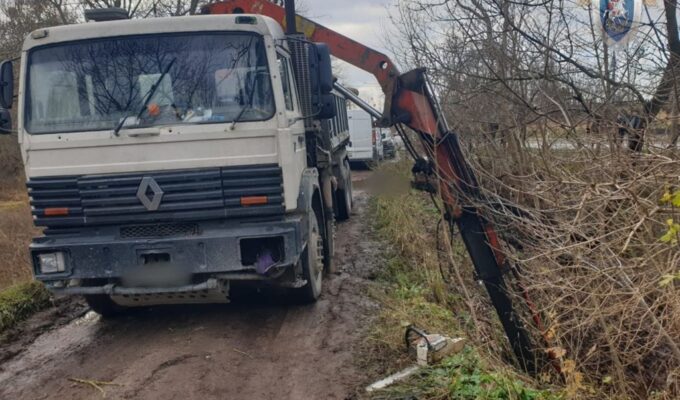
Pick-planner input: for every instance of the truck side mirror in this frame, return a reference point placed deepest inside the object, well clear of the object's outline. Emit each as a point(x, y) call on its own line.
point(321, 72)
point(5, 122)
point(6, 84)
point(325, 68)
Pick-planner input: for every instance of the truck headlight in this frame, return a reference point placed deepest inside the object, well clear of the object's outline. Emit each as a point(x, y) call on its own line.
point(51, 263)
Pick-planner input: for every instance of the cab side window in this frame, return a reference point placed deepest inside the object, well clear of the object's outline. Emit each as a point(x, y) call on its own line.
point(284, 72)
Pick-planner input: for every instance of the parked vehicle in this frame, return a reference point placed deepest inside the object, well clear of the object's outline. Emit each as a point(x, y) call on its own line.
point(364, 146)
point(164, 165)
point(377, 144)
point(388, 143)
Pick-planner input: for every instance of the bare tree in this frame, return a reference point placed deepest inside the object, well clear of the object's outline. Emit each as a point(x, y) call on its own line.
point(526, 50)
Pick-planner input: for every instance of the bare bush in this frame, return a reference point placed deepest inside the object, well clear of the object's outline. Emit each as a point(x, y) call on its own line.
point(583, 229)
point(538, 99)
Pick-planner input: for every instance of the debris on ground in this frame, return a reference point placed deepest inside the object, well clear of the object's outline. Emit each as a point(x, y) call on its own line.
point(428, 349)
point(98, 385)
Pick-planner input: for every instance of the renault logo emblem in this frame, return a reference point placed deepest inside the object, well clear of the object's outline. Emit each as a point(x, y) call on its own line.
point(150, 193)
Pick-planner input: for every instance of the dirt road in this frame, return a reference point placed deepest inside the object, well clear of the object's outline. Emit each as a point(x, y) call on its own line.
point(258, 347)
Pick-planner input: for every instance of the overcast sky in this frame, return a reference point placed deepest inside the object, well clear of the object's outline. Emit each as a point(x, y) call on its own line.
point(366, 21)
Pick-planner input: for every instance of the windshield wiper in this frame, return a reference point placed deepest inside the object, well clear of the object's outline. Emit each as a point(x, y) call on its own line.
point(149, 96)
point(246, 107)
point(240, 115)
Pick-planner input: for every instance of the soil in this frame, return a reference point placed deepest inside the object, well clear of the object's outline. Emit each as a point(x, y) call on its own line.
point(260, 346)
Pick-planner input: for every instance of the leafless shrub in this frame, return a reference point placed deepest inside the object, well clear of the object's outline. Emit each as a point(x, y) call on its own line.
point(537, 97)
point(583, 229)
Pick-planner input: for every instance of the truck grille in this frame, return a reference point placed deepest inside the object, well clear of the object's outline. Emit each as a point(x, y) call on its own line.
point(184, 195)
point(158, 231)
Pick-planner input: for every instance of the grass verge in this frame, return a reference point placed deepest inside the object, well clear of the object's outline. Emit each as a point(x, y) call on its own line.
point(20, 301)
point(466, 376)
point(19, 296)
point(413, 291)
point(16, 232)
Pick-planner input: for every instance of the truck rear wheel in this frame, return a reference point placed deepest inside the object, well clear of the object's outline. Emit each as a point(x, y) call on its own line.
point(103, 305)
point(344, 196)
point(312, 262)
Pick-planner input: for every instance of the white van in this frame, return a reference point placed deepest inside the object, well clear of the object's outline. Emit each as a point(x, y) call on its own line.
point(363, 145)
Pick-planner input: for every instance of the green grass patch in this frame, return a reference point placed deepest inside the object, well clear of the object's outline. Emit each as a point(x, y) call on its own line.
point(20, 301)
point(465, 376)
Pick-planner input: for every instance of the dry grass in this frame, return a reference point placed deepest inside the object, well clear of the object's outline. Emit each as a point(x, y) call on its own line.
point(16, 225)
point(19, 296)
point(11, 170)
point(16, 232)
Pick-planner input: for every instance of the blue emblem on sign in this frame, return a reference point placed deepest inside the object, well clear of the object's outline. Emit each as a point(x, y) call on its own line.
point(618, 18)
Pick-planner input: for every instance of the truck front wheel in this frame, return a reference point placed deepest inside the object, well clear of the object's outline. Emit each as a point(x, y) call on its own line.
point(103, 305)
point(312, 262)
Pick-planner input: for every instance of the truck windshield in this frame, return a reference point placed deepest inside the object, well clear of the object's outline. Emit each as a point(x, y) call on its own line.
point(96, 84)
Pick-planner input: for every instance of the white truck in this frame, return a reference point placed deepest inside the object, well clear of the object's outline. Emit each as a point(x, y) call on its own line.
point(364, 146)
point(169, 158)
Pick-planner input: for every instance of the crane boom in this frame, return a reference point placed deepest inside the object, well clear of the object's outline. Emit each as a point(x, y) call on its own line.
point(410, 100)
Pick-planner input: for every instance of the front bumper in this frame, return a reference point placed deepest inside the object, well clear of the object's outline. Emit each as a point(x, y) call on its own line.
point(103, 256)
point(114, 290)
